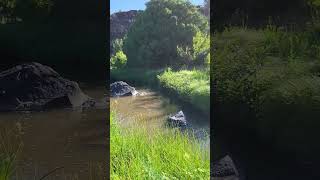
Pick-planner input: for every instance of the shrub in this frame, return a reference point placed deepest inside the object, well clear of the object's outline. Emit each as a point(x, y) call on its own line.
point(118, 61)
point(276, 74)
point(199, 53)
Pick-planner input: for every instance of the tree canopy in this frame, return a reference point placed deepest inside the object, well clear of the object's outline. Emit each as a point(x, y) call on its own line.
point(153, 39)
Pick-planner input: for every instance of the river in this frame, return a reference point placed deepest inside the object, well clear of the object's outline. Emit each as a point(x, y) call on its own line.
point(153, 109)
point(72, 141)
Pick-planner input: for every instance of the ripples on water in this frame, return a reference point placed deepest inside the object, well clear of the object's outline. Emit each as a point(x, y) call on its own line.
point(152, 110)
point(73, 141)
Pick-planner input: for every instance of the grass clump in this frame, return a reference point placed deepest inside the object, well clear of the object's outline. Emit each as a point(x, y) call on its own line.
point(192, 86)
point(137, 153)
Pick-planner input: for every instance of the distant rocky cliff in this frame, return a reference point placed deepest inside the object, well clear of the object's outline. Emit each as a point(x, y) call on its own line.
point(120, 23)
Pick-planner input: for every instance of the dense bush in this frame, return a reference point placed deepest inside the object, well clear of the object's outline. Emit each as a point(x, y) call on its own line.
point(276, 73)
point(118, 60)
point(198, 54)
point(165, 24)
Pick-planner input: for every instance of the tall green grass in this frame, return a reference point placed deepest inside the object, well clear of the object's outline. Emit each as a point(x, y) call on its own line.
point(192, 86)
point(10, 146)
point(138, 153)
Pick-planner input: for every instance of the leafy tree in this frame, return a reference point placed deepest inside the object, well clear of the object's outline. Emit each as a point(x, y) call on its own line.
point(153, 39)
point(198, 53)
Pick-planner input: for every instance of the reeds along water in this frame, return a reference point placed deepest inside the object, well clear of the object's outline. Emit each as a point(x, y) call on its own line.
point(10, 147)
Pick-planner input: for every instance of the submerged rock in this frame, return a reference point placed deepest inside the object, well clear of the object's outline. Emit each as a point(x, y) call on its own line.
point(33, 86)
point(224, 169)
point(178, 120)
point(121, 88)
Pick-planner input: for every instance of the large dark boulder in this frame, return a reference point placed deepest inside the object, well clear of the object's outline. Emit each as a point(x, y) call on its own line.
point(121, 88)
point(33, 86)
point(177, 120)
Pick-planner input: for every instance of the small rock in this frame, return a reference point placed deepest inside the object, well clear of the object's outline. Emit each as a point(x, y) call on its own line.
point(178, 120)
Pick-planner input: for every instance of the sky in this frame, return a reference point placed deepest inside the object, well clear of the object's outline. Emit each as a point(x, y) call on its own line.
point(125, 5)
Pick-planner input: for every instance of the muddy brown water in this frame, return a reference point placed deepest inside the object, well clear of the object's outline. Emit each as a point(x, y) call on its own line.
point(70, 142)
point(153, 108)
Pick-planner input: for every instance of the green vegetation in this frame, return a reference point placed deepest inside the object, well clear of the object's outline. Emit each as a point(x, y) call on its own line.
point(10, 146)
point(168, 34)
point(153, 39)
point(136, 76)
point(167, 48)
point(198, 54)
point(137, 154)
point(119, 60)
point(275, 72)
point(191, 86)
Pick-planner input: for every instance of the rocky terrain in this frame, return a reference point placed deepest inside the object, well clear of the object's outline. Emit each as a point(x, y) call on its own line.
point(120, 23)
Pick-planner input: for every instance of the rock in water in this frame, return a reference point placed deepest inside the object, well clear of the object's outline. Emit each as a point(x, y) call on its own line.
point(178, 120)
point(33, 86)
point(121, 88)
point(224, 169)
